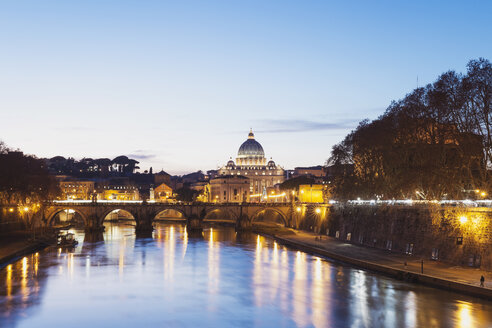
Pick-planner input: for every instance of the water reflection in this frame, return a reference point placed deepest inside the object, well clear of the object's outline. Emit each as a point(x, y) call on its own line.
point(215, 278)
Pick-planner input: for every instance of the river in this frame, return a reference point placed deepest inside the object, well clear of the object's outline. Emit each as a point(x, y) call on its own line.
point(218, 279)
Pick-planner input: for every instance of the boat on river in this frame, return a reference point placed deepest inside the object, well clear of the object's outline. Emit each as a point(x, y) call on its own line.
point(67, 240)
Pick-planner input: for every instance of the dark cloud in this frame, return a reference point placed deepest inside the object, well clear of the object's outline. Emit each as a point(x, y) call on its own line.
point(141, 155)
point(279, 126)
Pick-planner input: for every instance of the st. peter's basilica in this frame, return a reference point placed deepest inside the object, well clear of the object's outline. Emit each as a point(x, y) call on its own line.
point(251, 163)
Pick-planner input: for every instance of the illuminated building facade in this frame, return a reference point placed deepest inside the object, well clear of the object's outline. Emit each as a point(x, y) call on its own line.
point(229, 189)
point(77, 189)
point(163, 192)
point(313, 193)
point(252, 164)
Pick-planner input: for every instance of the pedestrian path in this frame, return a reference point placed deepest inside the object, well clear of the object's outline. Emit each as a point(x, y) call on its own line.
point(12, 249)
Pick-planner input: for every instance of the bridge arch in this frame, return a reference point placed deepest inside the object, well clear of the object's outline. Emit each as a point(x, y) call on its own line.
point(117, 214)
point(281, 215)
point(178, 214)
point(51, 217)
point(219, 214)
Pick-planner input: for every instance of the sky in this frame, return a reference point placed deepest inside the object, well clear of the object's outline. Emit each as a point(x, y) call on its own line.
point(178, 84)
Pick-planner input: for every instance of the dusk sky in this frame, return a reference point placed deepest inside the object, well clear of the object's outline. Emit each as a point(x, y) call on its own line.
point(178, 84)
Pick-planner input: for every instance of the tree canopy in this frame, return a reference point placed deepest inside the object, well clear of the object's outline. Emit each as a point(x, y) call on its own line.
point(24, 179)
point(434, 143)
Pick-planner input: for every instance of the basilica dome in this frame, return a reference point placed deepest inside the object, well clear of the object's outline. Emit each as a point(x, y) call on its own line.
point(251, 148)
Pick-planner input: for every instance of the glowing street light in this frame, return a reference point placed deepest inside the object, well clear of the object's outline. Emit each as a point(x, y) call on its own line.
point(298, 209)
point(463, 219)
point(318, 210)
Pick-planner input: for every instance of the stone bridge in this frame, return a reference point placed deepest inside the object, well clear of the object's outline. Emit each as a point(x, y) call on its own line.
point(242, 215)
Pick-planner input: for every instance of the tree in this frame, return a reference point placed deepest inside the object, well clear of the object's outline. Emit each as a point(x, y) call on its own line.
point(435, 142)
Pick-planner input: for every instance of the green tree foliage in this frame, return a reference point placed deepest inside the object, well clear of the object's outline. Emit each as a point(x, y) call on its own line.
point(434, 143)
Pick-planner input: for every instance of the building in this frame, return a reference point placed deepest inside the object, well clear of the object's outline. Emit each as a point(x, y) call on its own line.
point(312, 193)
point(117, 189)
point(252, 164)
point(312, 171)
point(229, 189)
point(162, 177)
point(162, 192)
point(73, 189)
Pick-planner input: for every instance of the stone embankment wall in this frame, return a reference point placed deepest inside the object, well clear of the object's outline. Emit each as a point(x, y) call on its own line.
point(457, 235)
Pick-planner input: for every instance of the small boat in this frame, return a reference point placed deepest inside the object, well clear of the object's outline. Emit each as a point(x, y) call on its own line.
point(67, 240)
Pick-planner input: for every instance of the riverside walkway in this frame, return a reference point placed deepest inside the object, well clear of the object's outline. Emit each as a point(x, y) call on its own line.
point(435, 273)
point(10, 250)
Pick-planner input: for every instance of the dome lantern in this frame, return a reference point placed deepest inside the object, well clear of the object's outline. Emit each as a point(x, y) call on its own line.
point(251, 135)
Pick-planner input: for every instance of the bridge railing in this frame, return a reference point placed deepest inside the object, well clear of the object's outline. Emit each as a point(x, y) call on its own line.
point(140, 202)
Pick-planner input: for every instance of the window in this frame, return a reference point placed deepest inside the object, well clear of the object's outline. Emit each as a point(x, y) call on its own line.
point(409, 249)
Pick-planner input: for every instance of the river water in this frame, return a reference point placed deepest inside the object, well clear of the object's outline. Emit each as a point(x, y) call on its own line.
point(218, 279)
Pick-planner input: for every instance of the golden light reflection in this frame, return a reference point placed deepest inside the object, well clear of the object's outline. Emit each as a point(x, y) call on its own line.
point(318, 307)
point(464, 315)
point(275, 273)
point(258, 274)
point(24, 289)
point(169, 255)
point(36, 263)
point(70, 265)
point(300, 300)
point(185, 241)
point(9, 281)
point(284, 277)
point(318, 269)
point(213, 270)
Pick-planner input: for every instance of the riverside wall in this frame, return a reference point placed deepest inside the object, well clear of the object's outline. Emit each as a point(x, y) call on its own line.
point(456, 235)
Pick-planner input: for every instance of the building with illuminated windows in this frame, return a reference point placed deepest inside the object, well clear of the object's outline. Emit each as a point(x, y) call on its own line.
point(252, 164)
point(75, 189)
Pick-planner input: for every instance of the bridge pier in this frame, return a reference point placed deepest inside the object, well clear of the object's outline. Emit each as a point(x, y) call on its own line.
point(144, 226)
point(92, 225)
point(194, 224)
point(243, 223)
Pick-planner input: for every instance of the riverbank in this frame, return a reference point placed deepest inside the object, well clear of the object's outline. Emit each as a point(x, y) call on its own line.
point(17, 245)
point(437, 274)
